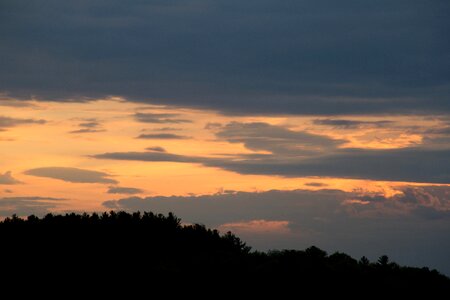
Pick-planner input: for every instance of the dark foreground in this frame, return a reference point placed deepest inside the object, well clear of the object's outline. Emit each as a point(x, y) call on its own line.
point(146, 250)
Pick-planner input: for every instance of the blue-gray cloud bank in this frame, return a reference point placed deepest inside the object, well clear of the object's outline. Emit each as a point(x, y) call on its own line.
point(251, 57)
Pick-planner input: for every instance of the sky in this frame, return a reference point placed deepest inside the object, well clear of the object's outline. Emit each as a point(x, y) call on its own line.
point(289, 123)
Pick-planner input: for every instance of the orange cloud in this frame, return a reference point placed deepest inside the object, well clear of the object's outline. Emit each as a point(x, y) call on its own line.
point(257, 227)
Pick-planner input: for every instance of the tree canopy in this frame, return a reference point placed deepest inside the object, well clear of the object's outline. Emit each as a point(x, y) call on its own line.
point(139, 246)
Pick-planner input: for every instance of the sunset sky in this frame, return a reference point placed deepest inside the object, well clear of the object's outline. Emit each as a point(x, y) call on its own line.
point(290, 123)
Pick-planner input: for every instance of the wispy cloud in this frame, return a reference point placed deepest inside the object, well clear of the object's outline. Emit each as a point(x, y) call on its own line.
point(124, 190)
point(162, 136)
point(72, 175)
point(159, 118)
point(352, 124)
point(7, 122)
point(89, 126)
point(156, 149)
point(15, 103)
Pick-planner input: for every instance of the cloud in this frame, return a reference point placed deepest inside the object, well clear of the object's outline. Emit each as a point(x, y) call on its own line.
point(7, 122)
point(299, 218)
point(15, 103)
point(437, 197)
point(27, 205)
point(166, 129)
point(147, 156)
point(124, 190)
point(258, 57)
point(86, 130)
point(409, 164)
point(302, 154)
point(316, 184)
point(426, 202)
point(156, 149)
point(162, 136)
point(351, 124)
point(88, 126)
point(12, 200)
point(256, 227)
point(159, 118)
point(213, 125)
point(72, 175)
point(7, 178)
point(223, 208)
point(233, 207)
point(261, 136)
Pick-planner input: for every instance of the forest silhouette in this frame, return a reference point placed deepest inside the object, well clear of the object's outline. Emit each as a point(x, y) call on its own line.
point(125, 248)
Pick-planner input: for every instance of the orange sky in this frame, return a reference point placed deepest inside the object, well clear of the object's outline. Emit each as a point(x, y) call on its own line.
point(28, 146)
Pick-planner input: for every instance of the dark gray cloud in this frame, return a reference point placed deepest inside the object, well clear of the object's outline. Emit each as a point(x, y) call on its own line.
point(161, 136)
point(297, 153)
point(222, 208)
point(324, 218)
point(7, 178)
point(351, 124)
point(7, 122)
point(72, 175)
point(147, 156)
point(232, 206)
point(428, 196)
point(124, 190)
point(409, 164)
point(27, 205)
point(295, 57)
point(440, 131)
point(276, 139)
point(159, 118)
point(425, 202)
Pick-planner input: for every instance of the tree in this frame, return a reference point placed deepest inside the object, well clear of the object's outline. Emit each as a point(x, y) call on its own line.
point(364, 261)
point(383, 260)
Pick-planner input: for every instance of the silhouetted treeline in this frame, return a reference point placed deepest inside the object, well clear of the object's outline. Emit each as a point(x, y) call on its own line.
point(125, 248)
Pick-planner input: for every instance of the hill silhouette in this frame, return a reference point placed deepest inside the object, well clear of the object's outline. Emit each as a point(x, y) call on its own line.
point(123, 249)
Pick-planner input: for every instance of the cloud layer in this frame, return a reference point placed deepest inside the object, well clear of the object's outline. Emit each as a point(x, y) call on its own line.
point(356, 223)
point(295, 57)
point(298, 154)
